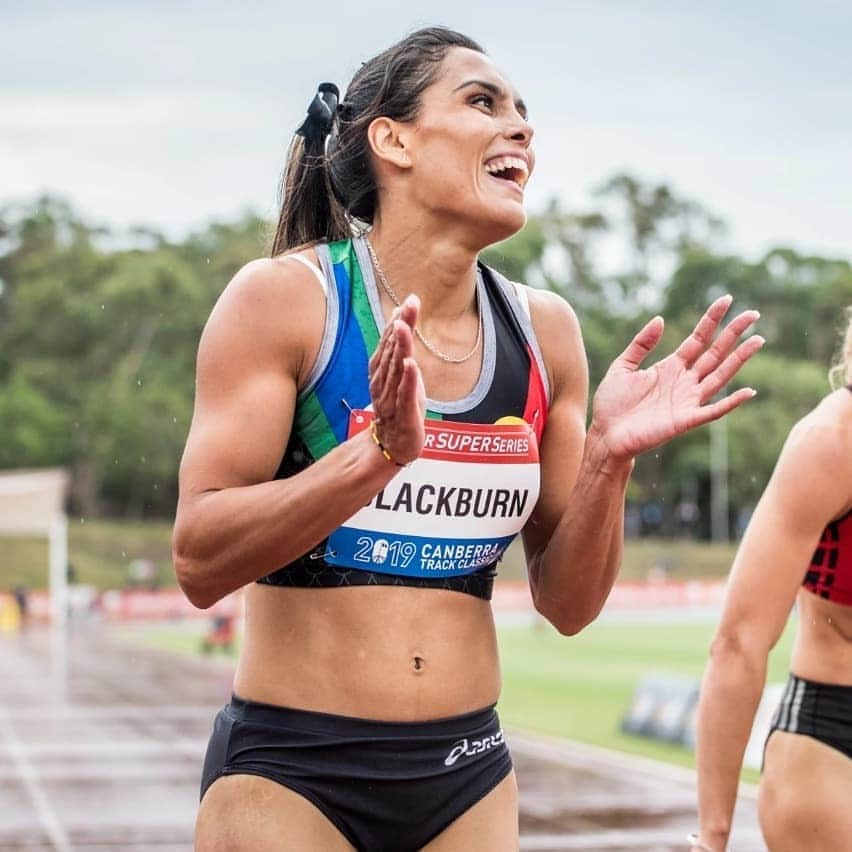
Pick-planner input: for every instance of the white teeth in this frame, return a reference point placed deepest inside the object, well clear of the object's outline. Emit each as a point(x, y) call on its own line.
point(501, 164)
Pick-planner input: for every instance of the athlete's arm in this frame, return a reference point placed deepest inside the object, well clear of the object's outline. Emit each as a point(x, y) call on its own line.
point(806, 490)
point(574, 539)
point(233, 524)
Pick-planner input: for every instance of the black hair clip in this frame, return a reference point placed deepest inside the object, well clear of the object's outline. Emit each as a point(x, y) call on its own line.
point(321, 112)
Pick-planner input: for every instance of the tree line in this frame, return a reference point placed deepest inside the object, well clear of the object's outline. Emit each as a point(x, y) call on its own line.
point(99, 330)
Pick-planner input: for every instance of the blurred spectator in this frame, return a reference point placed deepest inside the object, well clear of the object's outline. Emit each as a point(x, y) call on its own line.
point(632, 521)
point(220, 635)
point(21, 595)
point(686, 516)
point(652, 518)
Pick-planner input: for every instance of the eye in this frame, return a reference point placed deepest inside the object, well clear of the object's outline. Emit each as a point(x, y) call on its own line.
point(484, 100)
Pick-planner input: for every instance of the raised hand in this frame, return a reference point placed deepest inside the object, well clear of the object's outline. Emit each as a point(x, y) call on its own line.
point(635, 410)
point(396, 386)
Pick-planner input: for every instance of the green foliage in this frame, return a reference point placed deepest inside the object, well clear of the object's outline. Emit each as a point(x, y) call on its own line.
point(98, 335)
point(97, 349)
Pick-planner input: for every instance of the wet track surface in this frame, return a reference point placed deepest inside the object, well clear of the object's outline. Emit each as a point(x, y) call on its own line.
point(101, 747)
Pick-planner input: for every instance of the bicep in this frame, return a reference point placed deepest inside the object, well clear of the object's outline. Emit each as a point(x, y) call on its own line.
point(246, 388)
point(563, 441)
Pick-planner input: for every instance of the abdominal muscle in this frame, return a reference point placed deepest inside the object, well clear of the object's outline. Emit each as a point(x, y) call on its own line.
point(823, 648)
point(379, 652)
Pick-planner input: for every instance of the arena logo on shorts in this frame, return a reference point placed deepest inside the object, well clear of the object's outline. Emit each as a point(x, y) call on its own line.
point(471, 748)
point(453, 510)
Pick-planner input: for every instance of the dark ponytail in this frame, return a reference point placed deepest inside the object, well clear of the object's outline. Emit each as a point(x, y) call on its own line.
point(329, 179)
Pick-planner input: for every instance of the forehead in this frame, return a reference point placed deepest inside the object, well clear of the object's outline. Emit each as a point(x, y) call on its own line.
point(461, 64)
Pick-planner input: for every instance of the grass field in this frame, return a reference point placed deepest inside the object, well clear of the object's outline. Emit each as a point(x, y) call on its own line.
point(579, 687)
point(100, 551)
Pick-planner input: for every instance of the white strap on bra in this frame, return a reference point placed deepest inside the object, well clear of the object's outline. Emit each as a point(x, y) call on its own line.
point(317, 272)
point(523, 298)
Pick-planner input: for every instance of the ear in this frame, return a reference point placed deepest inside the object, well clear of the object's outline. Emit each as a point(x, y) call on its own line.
point(387, 140)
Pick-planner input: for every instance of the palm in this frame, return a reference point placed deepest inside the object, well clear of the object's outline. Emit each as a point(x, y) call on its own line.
point(396, 386)
point(637, 410)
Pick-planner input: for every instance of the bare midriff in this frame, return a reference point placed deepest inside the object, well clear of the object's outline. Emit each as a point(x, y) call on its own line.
point(377, 652)
point(823, 648)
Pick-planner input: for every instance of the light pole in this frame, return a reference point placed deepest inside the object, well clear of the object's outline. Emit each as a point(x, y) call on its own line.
point(719, 480)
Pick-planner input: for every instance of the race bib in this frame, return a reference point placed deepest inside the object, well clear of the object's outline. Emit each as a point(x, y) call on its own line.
point(456, 508)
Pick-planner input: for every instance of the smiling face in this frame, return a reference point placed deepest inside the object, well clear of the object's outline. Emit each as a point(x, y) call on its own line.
point(468, 152)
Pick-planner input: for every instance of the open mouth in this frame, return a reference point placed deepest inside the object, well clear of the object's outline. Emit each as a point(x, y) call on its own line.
point(512, 169)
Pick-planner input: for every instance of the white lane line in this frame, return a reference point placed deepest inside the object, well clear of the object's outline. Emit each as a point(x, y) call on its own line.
point(619, 840)
point(47, 817)
point(573, 755)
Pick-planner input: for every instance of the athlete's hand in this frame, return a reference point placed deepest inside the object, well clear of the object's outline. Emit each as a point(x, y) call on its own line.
point(635, 410)
point(396, 386)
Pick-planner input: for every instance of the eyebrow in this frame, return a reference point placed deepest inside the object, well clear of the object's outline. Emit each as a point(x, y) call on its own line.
point(495, 90)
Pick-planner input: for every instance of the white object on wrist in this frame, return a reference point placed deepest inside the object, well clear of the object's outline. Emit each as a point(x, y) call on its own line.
point(695, 842)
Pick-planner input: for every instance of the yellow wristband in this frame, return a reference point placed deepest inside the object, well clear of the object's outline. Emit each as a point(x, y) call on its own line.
point(375, 433)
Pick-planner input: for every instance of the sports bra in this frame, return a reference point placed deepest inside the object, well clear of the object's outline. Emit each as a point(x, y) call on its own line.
point(444, 521)
point(830, 571)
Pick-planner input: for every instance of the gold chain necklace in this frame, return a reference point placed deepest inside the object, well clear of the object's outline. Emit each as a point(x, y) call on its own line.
point(427, 343)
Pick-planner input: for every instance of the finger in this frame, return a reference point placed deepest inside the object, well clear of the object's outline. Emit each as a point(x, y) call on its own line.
point(384, 340)
point(718, 378)
point(404, 339)
point(641, 345)
point(407, 397)
point(409, 310)
point(378, 378)
point(700, 338)
point(724, 343)
point(715, 410)
point(393, 374)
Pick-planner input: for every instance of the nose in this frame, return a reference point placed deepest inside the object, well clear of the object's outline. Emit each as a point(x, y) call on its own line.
point(520, 130)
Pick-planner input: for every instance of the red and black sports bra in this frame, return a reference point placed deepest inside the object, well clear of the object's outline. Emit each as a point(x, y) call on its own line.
point(830, 571)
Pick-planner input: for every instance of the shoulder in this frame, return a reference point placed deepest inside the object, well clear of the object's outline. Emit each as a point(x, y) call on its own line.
point(557, 331)
point(560, 339)
point(816, 461)
point(271, 307)
point(270, 281)
point(824, 435)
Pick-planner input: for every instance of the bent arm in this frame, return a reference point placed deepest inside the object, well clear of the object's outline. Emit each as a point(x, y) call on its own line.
point(233, 524)
point(574, 539)
point(766, 575)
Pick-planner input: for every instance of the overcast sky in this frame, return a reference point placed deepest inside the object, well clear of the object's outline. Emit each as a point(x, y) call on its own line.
point(172, 114)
